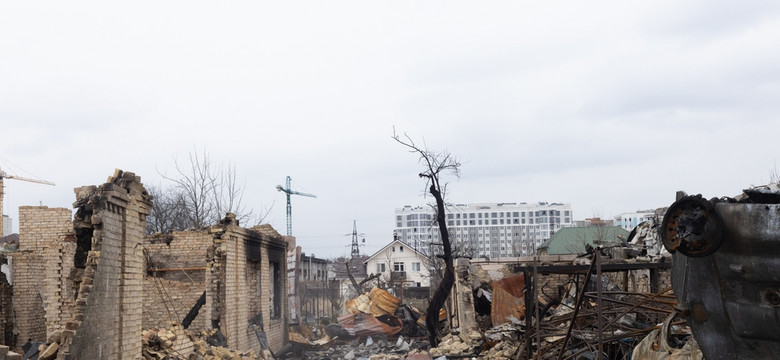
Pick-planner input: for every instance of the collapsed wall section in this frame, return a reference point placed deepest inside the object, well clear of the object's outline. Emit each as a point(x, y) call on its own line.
point(109, 307)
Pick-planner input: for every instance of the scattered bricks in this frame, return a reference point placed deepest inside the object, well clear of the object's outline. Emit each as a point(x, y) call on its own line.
point(54, 336)
point(50, 352)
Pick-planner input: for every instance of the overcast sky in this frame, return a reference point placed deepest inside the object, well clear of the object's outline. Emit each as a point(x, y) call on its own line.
point(609, 106)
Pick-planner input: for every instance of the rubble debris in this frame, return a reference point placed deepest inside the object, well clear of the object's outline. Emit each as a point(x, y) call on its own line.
point(377, 302)
point(458, 344)
point(409, 317)
point(379, 348)
point(177, 343)
point(764, 194)
point(645, 239)
point(362, 324)
point(7, 354)
point(662, 344)
point(508, 299)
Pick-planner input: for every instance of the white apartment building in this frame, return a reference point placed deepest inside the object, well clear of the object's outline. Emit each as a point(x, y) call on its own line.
point(629, 221)
point(484, 230)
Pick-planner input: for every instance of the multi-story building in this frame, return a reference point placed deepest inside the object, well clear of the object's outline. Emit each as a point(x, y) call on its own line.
point(484, 230)
point(629, 221)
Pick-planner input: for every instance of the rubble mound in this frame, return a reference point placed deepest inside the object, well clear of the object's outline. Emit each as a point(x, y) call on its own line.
point(177, 343)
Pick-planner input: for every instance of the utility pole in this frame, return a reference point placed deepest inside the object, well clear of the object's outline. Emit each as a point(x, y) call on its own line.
point(355, 245)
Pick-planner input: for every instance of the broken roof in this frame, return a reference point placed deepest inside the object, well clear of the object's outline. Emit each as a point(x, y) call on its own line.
point(572, 240)
point(394, 242)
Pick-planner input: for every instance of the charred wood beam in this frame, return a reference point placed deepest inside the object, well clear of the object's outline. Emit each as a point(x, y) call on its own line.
point(583, 269)
point(194, 311)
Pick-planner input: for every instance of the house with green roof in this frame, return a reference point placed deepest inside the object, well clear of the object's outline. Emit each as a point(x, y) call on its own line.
point(572, 240)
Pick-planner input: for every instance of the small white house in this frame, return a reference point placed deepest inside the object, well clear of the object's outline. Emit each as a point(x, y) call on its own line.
point(399, 263)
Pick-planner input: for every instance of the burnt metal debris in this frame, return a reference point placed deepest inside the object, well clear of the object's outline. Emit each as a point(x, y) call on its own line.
point(726, 272)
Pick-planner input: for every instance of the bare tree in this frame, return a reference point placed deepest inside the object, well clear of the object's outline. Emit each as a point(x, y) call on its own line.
point(435, 164)
point(169, 211)
point(197, 182)
point(228, 197)
point(202, 192)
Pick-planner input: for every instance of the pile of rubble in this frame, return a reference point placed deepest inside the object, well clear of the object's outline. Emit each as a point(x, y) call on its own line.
point(371, 347)
point(177, 343)
point(586, 317)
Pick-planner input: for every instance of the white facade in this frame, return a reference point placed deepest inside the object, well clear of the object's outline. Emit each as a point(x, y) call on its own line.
point(400, 263)
point(484, 230)
point(629, 221)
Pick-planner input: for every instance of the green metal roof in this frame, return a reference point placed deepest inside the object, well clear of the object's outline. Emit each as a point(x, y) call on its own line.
point(572, 240)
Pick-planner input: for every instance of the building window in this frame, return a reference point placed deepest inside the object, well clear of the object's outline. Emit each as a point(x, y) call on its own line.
point(275, 290)
point(401, 248)
point(415, 266)
point(398, 266)
point(380, 268)
point(418, 284)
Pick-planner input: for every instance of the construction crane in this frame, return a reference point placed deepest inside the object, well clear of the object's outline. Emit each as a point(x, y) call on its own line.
point(289, 192)
point(4, 175)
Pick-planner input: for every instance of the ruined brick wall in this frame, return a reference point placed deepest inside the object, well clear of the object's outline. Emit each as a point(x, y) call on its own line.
point(236, 300)
point(169, 301)
point(109, 308)
point(41, 230)
point(60, 288)
point(238, 282)
point(6, 309)
point(175, 277)
point(273, 252)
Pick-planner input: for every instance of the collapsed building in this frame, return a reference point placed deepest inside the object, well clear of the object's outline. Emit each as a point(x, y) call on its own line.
point(89, 286)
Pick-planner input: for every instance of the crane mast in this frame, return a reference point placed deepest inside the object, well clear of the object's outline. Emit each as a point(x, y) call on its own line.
point(4, 175)
point(287, 190)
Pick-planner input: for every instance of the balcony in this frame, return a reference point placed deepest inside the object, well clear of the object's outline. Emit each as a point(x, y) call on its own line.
point(398, 275)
